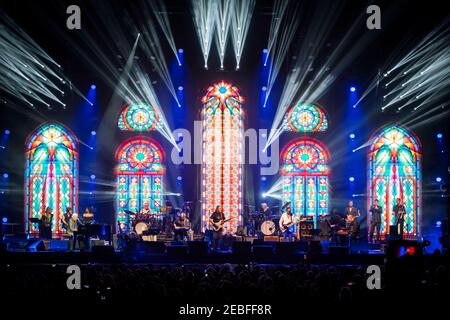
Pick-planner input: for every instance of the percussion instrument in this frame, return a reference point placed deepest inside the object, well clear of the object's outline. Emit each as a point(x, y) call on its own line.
point(140, 227)
point(268, 228)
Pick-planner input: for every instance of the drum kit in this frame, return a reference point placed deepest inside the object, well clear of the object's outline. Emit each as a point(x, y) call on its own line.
point(153, 223)
point(257, 223)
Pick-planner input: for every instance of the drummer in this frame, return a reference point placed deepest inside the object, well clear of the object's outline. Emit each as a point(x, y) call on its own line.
point(146, 210)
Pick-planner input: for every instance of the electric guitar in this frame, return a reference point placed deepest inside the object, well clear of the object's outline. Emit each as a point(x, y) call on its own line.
point(400, 215)
point(217, 226)
point(290, 226)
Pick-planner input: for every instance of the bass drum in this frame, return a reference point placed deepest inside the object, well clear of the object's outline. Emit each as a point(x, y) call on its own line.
point(140, 227)
point(268, 228)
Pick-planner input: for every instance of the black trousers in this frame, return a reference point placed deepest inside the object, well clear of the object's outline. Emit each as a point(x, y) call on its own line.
point(46, 232)
point(216, 239)
point(400, 225)
point(375, 227)
point(180, 234)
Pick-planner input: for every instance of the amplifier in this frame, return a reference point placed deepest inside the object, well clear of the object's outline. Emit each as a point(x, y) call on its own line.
point(306, 229)
point(272, 238)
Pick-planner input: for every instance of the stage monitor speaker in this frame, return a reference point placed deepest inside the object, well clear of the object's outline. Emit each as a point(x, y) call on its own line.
point(242, 248)
point(339, 251)
point(103, 251)
point(16, 242)
point(150, 247)
point(261, 251)
point(58, 245)
point(286, 248)
point(315, 247)
point(177, 250)
point(198, 248)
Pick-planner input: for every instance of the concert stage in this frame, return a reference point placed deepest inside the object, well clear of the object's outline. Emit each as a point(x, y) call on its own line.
point(292, 147)
point(197, 252)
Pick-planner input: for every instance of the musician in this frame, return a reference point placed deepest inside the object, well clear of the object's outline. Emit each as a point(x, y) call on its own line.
point(217, 218)
point(399, 214)
point(287, 220)
point(45, 228)
point(146, 210)
point(65, 218)
point(375, 221)
point(181, 227)
point(352, 219)
point(74, 223)
point(264, 214)
point(88, 216)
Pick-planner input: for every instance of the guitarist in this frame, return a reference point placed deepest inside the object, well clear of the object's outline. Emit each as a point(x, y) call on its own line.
point(286, 224)
point(216, 220)
point(352, 219)
point(399, 214)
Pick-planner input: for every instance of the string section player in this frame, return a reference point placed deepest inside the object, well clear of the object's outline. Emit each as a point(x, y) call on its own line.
point(399, 212)
point(217, 221)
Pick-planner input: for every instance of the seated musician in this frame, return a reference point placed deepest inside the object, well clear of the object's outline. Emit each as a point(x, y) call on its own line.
point(88, 216)
point(74, 223)
point(217, 219)
point(146, 210)
point(181, 227)
point(45, 227)
point(352, 215)
point(264, 214)
point(287, 223)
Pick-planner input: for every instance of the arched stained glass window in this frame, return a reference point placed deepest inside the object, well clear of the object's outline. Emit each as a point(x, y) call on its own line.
point(394, 172)
point(222, 125)
point(306, 118)
point(138, 117)
point(305, 174)
point(139, 175)
point(51, 173)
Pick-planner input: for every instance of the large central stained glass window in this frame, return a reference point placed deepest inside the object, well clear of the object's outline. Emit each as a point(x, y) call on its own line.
point(222, 125)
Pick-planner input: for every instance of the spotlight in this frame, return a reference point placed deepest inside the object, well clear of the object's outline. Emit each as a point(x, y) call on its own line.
point(438, 179)
point(264, 88)
point(93, 87)
point(7, 132)
point(93, 133)
point(264, 194)
point(180, 88)
point(179, 178)
point(5, 220)
point(351, 179)
point(439, 135)
point(265, 50)
point(263, 178)
point(438, 224)
point(352, 89)
point(352, 136)
point(5, 175)
point(93, 177)
point(180, 50)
